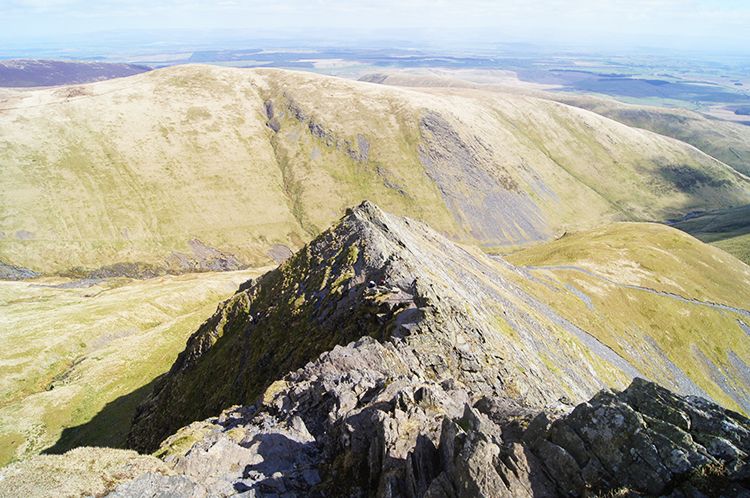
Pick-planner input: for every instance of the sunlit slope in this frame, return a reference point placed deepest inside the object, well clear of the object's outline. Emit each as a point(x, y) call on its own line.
point(651, 291)
point(726, 141)
point(181, 164)
point(133, 169)
point(511, 169)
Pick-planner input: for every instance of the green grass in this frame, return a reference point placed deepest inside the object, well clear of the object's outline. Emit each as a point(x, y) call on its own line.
point(727, 229)
point(144, 164)
point(662, 259)
point(71, 354)
point(80, 472)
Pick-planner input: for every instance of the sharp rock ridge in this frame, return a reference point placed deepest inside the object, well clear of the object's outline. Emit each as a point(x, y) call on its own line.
point(365, 365)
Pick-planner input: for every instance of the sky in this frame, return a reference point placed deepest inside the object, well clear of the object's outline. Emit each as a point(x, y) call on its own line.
point(711, 25)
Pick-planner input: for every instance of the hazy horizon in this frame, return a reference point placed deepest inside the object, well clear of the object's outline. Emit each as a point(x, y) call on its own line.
point(72, 26)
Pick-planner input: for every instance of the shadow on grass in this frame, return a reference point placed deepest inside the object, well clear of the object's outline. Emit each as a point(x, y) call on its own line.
point(717, 226)
point(109, 428)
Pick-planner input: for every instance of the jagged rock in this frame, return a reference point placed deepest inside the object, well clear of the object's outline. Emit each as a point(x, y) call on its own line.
point(161, 486)
point(435, 312)
point(385, 443)
point(632, 441)
point(403, 389)
point(380, 430)
point(10, 272)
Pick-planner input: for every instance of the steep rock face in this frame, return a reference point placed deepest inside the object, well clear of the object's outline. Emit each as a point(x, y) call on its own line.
point(320, 298)
point(446, 314)
point(462, 167)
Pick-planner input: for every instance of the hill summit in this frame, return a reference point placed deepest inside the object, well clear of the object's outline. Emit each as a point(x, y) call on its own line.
point(192, 167)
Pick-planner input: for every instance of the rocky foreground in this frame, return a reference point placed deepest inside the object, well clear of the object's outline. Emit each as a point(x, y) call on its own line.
point(358, 422)
point(367, 366)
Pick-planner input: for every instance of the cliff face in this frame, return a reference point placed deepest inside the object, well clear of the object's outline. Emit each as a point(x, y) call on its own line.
point(445, 313)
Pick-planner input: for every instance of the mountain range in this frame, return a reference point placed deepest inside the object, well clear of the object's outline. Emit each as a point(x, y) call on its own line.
point(44, 72)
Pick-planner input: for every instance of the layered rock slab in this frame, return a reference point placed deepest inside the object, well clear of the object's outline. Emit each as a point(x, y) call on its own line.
point(333, 430)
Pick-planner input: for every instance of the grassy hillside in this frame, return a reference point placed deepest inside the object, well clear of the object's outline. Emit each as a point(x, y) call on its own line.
point(73, 352)
point(724, 140)
point(727, 229)
point(196, 167)
point(135, 168)
point(651, 290)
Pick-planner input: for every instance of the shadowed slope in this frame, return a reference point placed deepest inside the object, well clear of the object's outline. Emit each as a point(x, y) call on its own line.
point(727, 229)
point(71, 348)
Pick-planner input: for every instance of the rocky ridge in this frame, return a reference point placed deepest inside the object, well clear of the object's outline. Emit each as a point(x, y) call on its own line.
point(412, 386)
point(458, 317)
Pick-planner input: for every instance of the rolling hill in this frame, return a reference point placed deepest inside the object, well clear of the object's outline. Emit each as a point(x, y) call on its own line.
point(71, 348)
point(195, 167)
point(724, 140)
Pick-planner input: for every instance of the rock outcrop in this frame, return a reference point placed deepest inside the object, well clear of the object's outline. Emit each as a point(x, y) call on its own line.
point(461, 319)
point(10, 272)
point(358, 422)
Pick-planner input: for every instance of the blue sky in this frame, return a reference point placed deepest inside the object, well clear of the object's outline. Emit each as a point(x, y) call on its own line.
point(720, 25)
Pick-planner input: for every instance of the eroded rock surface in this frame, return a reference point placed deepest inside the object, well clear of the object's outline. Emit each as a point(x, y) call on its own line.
point(458, 315)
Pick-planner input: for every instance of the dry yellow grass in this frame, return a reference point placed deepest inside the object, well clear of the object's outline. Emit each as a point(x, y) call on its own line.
point(79, 472)
point(654, 291)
